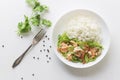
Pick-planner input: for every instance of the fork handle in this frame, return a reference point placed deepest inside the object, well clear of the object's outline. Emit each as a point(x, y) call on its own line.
point(19, 59)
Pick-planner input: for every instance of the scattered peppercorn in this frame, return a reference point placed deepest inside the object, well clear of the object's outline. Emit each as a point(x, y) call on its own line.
point(48, 50)
point(21, 78)
point(46, 55)
point(33, 57)
point(21, 37)
point(44, 49)
point(3, 46)
point(43, 45)
point(49, 58)
point(38, 58)
point(46, 36)
point(50, 46)
point(40, 50)
point(43, 41)
point(33, 74)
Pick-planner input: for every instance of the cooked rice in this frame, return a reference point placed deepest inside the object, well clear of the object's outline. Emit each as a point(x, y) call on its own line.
point(84, 28)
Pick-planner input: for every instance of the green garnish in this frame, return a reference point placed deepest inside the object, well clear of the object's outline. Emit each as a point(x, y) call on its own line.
point(36, 6)
point(32, 3)
point(24, 27)
point(35, 19)
point(40, 8)
point(47, 23)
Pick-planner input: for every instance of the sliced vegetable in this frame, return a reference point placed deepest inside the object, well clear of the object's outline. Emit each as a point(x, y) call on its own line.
point(94, 44)
point(76, 59)
point(32, 3)
point(63, 38)
point(92, 59)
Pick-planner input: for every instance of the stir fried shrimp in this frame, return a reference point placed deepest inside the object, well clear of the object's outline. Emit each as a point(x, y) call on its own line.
point(79, 51)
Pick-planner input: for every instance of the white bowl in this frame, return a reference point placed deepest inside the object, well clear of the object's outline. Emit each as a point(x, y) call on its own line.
point(60, 27)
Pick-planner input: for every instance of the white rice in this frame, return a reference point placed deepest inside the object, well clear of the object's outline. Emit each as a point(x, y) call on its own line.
point(84, 28)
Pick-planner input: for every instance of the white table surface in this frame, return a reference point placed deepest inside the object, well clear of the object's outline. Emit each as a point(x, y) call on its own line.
point(12, 11)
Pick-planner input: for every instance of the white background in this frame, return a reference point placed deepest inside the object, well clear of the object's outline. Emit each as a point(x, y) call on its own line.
point(12, 11)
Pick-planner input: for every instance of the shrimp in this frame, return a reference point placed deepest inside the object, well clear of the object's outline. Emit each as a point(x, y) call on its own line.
point(77, 49)
point(63, 48)
point(93, 51)
point(74, 43)
point(69, 57)
point(78, 54)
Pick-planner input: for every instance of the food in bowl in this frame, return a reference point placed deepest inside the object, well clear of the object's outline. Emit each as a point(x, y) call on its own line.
point(83, 25)
point(81, 42)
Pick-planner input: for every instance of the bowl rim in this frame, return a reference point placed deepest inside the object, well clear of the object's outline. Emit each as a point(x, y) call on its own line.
point(69, 63)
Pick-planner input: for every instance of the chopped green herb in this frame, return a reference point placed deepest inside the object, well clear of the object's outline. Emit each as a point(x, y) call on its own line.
point(35, 20)
point(24, 27)
point(36, 6)
point(40, 8)
point(46, 22)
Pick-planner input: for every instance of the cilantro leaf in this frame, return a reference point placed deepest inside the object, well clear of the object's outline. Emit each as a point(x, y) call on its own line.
point(37, 7)
point(24, 27)
point(35, 20)
point(63, 38)
point(46, 22)
point(40, 8)
point(86, 58)
point(32, 3)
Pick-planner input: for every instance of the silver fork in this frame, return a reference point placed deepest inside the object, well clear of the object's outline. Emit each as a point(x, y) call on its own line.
point(36, 39)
